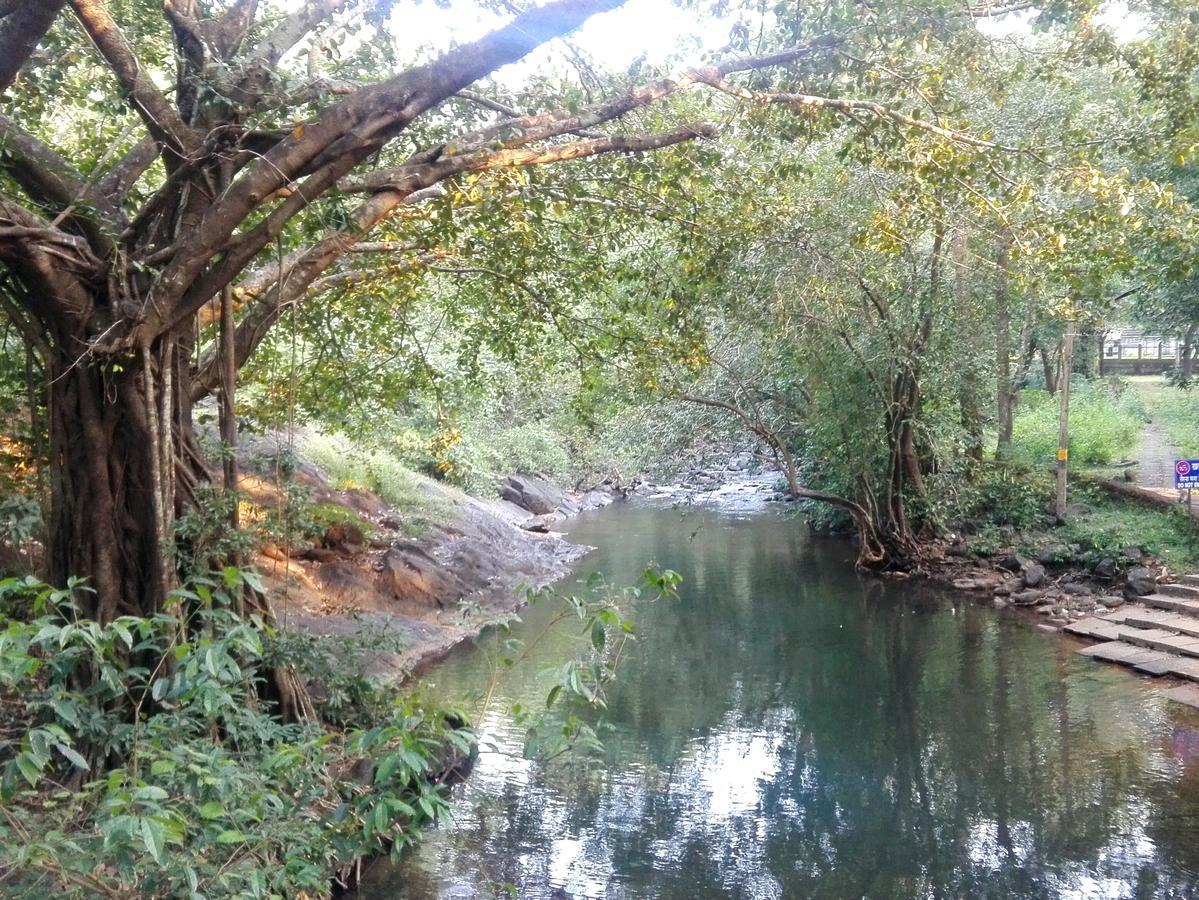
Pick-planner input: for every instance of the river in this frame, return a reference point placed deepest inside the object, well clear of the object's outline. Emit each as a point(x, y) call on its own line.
point(787, 728)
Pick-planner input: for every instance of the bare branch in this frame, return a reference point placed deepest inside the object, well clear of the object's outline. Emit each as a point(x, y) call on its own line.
point(117, 181)
point(847, 105)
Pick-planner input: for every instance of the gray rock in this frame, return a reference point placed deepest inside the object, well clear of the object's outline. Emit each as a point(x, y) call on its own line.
point(1054, 553)
point(1132, 554)
point(1111, 601)
point(1076, 589)
point(529, 492)
point(1034, 574)
point(1014, 562)
point(1027, 598)
point(1105, 568)
point(1140, 581)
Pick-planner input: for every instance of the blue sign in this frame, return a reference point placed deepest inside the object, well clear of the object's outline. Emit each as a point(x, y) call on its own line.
point(1186, 474)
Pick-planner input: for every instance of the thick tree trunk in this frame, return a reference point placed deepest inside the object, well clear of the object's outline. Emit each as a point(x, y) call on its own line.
point(1005, 392)
point(124, 464)
point(1051, 368)
point(1187, 354)
point(109, 493)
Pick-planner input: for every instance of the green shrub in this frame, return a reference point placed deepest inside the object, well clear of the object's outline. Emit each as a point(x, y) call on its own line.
point(1105, 424)
point(168, 776)
point(1001, 494)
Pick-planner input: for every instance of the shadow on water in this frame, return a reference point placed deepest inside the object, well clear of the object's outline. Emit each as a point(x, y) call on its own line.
point(788, 729)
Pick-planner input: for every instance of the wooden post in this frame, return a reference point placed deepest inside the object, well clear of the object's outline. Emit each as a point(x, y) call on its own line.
point(1063, 422)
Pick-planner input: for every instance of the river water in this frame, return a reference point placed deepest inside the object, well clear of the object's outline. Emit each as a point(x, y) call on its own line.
point(786, 728)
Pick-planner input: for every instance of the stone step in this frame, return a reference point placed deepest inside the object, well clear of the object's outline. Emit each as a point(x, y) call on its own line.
point(1184, 590)
point(1174, 604)
point(1096, 628)
point(1191, 579)
point(1151, 662)
point(1153, 618)
point(1161, 639)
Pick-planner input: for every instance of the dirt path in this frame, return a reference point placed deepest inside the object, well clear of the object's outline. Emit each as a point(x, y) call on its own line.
point(1156, 468)
point(1154, 473)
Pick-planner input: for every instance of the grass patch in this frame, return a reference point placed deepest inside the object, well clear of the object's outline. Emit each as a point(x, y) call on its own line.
point(1105, 424)
point(349, 466)
point(1109, 524)
point(1178, 412)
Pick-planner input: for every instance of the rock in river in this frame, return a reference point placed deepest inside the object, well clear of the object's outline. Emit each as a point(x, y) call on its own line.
point(532, 493)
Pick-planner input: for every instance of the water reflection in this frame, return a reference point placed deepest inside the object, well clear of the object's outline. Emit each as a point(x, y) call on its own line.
point(790, 730)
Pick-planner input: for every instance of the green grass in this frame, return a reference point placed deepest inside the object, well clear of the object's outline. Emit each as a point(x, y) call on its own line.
point(350, 466)
point(1110, 524)
point(1105, 425)
point(1177, 411)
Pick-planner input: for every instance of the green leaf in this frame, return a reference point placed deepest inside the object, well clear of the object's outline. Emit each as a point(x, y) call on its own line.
point(212, 810)
point(552, 695)
point(153, 837)
point(230, 837)
point(72, 756)
point(599, 636)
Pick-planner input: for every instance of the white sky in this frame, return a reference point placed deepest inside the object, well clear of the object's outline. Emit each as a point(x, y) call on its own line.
point(656, 28)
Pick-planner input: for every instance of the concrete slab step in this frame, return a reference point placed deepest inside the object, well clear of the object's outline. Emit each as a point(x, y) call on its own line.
point(1186, 668)
point(1174, 604)
point(1185, 693)
point(1096, 628)
point(1182, 589)
point(1190, 579)
point(1151, 662)
point(1160, 639)
point(1154, 618)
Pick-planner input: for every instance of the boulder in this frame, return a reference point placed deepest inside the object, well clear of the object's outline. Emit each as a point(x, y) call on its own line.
point(1139, 581)
point(410, 575)
point(529, 492)
point(1105, 568)
point(1027, 598)
point(1034, 574)
point(1014, 562)
point(1054, 553)
point(1111, 601)
point(1076, 589)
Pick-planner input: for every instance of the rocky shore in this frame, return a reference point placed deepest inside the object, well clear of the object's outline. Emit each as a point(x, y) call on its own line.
point(412, 595)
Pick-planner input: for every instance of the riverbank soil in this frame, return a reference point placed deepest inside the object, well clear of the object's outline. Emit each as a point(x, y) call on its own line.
point(411, 586)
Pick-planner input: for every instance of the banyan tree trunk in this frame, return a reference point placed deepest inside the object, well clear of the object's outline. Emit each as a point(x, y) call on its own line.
point(115, 462)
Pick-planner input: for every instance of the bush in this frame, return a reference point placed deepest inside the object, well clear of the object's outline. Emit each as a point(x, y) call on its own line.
point(1105, 424)
point(167, 775)
point(1000, 494)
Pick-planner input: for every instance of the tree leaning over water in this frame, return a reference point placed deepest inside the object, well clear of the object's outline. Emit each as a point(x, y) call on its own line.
point(241, 182)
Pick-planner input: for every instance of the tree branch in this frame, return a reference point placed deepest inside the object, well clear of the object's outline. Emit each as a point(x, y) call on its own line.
point(300, 270)
point(344, 134)
point(21, 29)
point(161, 119)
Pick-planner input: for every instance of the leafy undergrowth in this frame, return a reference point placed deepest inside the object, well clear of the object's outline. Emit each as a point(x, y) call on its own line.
point(1105, 424)
point(141, 760)
point(1010, 506)
point(349, 465)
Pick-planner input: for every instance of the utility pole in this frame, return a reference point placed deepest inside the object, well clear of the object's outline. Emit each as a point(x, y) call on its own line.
point(1063, 422)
